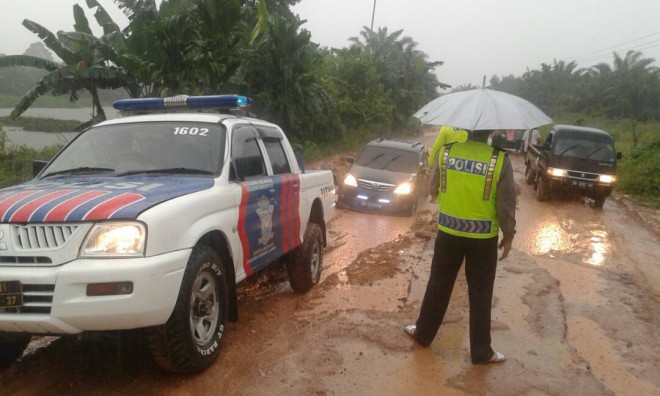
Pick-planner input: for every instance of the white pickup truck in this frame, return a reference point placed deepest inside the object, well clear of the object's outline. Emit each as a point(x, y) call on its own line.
point(150, 221)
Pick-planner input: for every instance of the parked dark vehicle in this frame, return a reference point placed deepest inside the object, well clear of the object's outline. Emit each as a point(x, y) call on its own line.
point(573, 159)
point(388, 175)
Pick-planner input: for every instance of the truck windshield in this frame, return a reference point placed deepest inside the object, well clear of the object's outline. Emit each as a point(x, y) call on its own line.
point(143, 147)
point(585, 145)
point(389, 159)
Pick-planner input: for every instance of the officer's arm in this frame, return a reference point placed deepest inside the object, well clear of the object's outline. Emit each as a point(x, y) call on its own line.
point(434, 180)
point(506, 201)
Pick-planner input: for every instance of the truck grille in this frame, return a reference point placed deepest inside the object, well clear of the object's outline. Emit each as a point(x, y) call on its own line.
point(376, 186)
point(37, 299)
point(42, 236)
point(583, 175)
point(23, 260)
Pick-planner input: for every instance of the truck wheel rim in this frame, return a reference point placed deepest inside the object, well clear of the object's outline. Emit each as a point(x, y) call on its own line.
point(316, 258)
point(204, 308)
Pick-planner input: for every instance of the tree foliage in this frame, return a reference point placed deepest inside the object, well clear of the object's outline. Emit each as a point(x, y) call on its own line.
point(629, 88)
point(403, 71)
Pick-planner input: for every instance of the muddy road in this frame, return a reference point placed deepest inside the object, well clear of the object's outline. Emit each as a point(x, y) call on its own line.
point(576, 310)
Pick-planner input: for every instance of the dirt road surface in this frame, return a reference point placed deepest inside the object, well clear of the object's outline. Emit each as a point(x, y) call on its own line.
point(576, 310)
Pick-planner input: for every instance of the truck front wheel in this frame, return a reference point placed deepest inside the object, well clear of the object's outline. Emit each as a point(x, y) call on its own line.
point(190, 340)
point(305, 264)
point(12, 346)
point(599, 201)
point(541, 189)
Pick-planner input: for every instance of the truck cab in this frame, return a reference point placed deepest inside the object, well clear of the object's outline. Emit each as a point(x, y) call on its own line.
point(573, 159)
point(150, 221)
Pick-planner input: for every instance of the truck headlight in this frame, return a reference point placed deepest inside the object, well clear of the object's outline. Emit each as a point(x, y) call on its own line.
point(115, 239)
point(607, 179)
point(403, 189)
point(349, 180)
point(556, 172)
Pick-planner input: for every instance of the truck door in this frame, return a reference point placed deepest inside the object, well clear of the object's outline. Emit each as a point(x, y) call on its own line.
point(264, 216)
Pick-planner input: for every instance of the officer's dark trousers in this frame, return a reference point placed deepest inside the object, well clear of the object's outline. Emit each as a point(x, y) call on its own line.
point(480, 263)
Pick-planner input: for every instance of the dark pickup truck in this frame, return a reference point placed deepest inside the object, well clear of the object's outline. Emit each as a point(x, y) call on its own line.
point(573, 159)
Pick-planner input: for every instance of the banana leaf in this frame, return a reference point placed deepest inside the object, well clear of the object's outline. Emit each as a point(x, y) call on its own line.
point(52, 42)
point(81, 22)
point(28, 61)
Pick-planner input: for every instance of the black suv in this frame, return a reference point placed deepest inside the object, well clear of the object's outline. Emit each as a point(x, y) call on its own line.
point(388, 175)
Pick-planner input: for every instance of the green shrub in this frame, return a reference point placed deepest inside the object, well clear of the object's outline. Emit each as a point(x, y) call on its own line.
point(16, 161)
point(40, 124)
point(639, 173)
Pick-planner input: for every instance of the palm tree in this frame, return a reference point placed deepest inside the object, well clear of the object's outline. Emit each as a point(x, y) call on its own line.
point(629, 88)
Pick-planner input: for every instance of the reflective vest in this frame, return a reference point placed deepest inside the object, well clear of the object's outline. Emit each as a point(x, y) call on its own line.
point(446, 135)
point(469, 173)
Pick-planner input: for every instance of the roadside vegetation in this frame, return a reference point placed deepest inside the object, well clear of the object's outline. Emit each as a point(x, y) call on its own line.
point(328, 100)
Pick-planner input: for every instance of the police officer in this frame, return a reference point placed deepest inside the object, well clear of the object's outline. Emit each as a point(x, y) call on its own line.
point(476, 198)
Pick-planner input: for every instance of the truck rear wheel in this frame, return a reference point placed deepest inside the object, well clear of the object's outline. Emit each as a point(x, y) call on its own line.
point(190, 340)
point(529, 174)
point(305, 264)
point(12, 346)
point(541, 190)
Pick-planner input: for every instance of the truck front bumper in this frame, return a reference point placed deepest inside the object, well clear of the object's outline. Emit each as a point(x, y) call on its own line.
point(60, 305)
point(588, 188)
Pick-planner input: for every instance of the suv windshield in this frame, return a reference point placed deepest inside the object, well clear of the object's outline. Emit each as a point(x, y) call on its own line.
point(388, 159)
point(186, 147)
point(585, 145)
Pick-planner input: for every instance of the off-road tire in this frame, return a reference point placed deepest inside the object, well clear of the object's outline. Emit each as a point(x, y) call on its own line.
point(191, 339)
point(12, 346)
point(530, 175)
point(599, 201)
point(410, 211)
point(306, 261)
point(541, 190)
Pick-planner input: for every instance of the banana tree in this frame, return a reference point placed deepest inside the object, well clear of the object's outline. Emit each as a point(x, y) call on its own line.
point(89, 63)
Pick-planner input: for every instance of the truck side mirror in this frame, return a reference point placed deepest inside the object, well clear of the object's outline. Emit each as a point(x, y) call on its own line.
point(619, 155)
point(38, 166)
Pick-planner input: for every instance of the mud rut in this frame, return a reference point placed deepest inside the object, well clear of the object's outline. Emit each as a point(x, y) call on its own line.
point(576, 311)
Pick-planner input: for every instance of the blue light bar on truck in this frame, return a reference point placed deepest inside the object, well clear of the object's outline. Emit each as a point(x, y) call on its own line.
point(183, 102)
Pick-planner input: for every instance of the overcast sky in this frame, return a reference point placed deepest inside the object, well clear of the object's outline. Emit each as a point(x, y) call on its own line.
point(472, 37)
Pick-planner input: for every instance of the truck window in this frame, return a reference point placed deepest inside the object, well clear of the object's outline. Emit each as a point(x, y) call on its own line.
point(246, 155)
point(145, 147)
point(277, 156)
point(585, 145)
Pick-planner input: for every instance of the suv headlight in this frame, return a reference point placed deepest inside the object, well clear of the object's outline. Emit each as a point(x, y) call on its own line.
point(403, 189)
point(349, 180)
point(115, 239)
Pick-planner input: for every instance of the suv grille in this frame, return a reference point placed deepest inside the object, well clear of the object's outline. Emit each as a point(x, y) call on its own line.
point(42, 236)
point(376, 186)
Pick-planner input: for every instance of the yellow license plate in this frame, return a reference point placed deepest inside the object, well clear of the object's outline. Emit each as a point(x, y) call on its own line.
point(11, 294)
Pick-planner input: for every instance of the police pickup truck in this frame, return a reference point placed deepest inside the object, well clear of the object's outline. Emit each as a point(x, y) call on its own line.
point(573, 159)
point(150, 221)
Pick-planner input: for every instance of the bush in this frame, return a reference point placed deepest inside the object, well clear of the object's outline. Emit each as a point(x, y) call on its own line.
point(639, 173)
point(16, 161)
